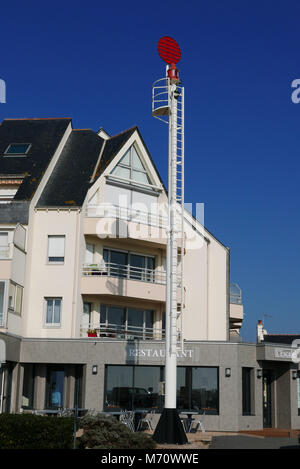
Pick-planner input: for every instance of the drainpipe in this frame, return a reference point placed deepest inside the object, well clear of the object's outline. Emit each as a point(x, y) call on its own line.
point(228, 294)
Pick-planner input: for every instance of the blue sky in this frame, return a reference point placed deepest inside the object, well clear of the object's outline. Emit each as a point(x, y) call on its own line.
point(96, 62)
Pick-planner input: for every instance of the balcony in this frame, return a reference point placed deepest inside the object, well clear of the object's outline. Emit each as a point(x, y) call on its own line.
point(236, 307)
point(124, 280)
point(111, 221)
point(125, 213)
point(123, 332)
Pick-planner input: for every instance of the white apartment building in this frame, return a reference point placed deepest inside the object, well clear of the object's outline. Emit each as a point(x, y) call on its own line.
point(83, 287)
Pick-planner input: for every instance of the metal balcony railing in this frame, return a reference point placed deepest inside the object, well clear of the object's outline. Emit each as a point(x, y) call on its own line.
point(126, 213)
point(122, 331)
point(125, 271)
point(235, 294)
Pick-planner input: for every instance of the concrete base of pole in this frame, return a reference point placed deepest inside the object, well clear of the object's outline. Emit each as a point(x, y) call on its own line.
point(169, 429)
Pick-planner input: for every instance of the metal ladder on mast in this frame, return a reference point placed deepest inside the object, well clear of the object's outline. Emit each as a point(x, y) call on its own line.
point(161, 110)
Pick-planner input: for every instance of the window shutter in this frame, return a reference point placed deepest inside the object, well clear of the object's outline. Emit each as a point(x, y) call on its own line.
point(56, 247)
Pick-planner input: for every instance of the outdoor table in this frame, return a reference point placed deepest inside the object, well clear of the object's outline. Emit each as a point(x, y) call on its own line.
point(189, 419)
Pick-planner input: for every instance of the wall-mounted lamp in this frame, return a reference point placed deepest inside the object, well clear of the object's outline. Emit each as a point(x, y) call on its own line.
point(95, 369)
point(259, 373)
point(227, 372)
point(294, 374)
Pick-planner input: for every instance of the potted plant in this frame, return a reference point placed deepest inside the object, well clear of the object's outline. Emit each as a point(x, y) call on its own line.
point(92, 333)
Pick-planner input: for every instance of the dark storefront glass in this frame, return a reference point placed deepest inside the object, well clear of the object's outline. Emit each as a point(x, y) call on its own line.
point(298, 392)
point(205, 390)
point(28, 387)
point(55, 387)
point(246, 390)
point(119, 384)
point(198, 389)
point(134, 387)
point(148, 378)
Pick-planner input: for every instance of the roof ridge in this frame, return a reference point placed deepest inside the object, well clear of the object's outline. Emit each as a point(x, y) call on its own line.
point(123, 132)
point(35, 118)
point(280, 334)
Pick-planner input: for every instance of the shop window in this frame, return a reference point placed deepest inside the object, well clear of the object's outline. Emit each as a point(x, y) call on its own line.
point(198, 389)
point(55, 387)
point(298, 392)
point(28, 387)
point(133, 387)
point(136, 386)
point(2, 291)
point(247, 391)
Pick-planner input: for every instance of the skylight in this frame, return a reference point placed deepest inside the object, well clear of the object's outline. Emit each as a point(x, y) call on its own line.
point(17, 149)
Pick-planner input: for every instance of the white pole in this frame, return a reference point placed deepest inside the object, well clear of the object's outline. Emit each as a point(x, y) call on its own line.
point(171, 297)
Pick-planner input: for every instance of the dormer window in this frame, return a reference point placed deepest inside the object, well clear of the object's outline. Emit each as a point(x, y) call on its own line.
point(131, 168)
point(17, 149)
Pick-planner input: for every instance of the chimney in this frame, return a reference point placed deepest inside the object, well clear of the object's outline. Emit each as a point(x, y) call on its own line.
point(260, 331)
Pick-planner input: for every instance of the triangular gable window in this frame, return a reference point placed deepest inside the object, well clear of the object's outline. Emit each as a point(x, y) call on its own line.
point(131, 168)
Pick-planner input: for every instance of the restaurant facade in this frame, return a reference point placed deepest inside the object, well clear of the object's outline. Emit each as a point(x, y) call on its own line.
point(83, 288)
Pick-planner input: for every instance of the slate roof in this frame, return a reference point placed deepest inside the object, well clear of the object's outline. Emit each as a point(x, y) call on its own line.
point(281, 338)
point(112, 146)
point(70, 179)
point(44, 136)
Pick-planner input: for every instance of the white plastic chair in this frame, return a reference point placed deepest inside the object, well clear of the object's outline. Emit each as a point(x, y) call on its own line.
point(146, 420)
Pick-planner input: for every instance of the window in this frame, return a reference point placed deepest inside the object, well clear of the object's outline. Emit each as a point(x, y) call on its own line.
point(2, 290)
point(247, 390)
point(55, 387)
point(28, 387)
point(127, 322)
point(298, 391)
point(17, 149)
point(129, 265)
point(131, 168)
point(129, 204)
point(53, 311)
point(56, 249)
point(133, 387)
point(86, 319)
point(4, 248)
point(198, 389)
point(15, 297)
point(139, 386)
point(89, 253)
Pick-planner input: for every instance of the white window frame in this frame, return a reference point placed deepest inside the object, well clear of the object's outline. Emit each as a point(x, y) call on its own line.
point(52, 324)
point(48, 246)
point(7, 233)
point(13, 305)
point(5, 301)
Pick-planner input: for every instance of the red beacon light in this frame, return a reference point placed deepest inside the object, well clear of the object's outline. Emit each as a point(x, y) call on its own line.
point(170, 53)
point(173, 74)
